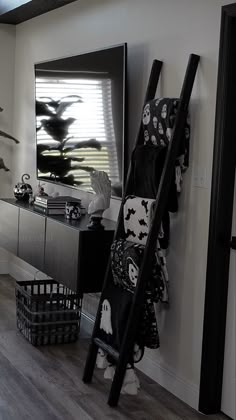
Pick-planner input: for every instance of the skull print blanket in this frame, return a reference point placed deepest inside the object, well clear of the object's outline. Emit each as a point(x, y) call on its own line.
point(126, 259)
point(148, 159)
point(158, 122)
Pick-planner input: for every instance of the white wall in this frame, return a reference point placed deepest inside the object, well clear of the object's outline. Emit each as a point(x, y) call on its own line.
point(7, 71)
point(169, 30)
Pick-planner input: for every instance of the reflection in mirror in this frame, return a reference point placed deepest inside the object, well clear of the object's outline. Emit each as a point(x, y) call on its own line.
point(80, 109)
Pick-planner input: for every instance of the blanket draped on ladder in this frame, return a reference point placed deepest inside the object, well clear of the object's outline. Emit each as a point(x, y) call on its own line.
point(126, 253)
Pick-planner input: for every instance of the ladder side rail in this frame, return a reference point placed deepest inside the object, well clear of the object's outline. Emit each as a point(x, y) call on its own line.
point(162, 196)
point(93, 348)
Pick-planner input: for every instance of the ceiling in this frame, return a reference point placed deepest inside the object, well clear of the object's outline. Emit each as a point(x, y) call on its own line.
point(18, 11)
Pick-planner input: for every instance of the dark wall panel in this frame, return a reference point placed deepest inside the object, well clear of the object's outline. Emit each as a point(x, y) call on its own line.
point(29, 10)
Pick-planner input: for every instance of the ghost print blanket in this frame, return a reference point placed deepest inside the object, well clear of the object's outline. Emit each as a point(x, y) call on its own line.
point(114, 316)
point(115, 310)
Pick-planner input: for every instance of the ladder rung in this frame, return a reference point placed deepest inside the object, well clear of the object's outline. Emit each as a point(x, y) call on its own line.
point(104, 346)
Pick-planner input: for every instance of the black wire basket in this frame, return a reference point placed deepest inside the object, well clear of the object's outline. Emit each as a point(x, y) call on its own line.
point(47, 312)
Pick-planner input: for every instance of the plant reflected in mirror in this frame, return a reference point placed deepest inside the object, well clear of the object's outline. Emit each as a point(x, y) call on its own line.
point(54, 160)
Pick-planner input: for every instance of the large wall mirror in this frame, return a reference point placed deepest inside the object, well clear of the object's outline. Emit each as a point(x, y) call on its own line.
point(80, 118)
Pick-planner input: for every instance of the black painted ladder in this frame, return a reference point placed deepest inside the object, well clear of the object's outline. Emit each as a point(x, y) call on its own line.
point(122, 357)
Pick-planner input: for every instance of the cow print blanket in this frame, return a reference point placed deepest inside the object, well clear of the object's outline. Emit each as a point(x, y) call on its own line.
point(138, 213)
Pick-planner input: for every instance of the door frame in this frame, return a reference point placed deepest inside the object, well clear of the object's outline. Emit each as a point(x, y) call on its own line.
point(220, 225)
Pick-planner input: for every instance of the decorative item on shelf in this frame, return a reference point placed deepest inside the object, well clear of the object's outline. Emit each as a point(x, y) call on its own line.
point(56, 205)
point(23, 190)
point(31, 198)
point(40, 191)
point(55, 194)
point(101, 184)
point(72, 210)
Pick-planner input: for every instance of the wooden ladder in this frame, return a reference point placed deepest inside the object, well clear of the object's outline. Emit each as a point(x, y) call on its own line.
point(122, 357)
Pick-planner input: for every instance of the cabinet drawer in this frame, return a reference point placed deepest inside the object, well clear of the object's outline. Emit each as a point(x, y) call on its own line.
point(61, 253)
point(31, 238)
point(9, 227)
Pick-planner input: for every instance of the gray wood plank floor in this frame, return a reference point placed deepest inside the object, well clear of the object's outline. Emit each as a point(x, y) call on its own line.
point(44, 383)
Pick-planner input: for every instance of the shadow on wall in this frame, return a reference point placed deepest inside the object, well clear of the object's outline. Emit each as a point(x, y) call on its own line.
point(5, 135)
point(138, 68)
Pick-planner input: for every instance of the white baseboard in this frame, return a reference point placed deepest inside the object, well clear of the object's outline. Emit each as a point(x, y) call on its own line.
point(168, 379)
point(21, 270)
point(4, 260)
point(163, 375)
point(24, 273)
point(87, 323)
point(4, 266)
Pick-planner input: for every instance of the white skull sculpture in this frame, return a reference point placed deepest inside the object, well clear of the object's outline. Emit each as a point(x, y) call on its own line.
point(133, 271)
point(146, 114)
point(158, 101)
point(160, 129)
point(146, 136)
point(164, 111)
point(154, 140)
point(168, 133)
point(154, 120)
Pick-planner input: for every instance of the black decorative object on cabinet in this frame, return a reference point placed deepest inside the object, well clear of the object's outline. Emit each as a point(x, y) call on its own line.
point(72, 210)
point(22, 190)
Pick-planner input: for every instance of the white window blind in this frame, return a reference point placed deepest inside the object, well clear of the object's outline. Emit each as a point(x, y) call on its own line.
point(93, 120)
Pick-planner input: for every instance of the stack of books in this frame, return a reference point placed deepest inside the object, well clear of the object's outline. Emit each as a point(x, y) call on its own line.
point(53, 205)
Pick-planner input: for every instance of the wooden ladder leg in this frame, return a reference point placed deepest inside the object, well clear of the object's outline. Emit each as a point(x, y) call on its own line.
point(119, 377)
point(90, 362)
point(125, 351)
point(117, 384)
